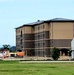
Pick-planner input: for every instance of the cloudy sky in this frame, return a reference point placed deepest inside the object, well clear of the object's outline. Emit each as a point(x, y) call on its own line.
point(14, 13)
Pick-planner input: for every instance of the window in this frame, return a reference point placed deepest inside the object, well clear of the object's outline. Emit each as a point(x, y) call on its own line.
point(38, 36)
point(43, 35)
point(21, 42)
point(18, 31)
point(43, 52)
point(21, 46)
point(43, 44)
point(38, 44)
point(38, 52)
point(21, 33)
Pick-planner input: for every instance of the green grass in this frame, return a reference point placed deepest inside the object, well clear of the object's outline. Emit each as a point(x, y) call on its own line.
point(16, 68)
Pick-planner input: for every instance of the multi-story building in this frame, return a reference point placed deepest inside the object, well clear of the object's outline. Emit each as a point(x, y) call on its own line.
point(38, 38)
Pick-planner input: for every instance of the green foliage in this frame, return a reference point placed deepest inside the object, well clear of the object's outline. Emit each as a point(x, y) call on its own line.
point(8, 62)
point(55, 53)
point(13, 49)
point(10, 48)
point(70, 51)
point(5, 46)
point(16, 68)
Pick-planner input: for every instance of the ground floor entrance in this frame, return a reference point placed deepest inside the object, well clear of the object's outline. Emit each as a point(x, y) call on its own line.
point(47, 52)
point(29, 53)
point(64, 52)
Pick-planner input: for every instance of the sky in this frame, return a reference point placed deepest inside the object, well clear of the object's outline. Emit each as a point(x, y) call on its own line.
point(14, 13)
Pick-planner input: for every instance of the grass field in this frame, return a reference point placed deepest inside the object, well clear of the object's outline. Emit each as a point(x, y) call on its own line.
point(16, 68)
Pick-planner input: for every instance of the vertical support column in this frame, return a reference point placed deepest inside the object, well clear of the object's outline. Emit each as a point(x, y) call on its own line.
point(60, 53)
point(26, 52)
point(52, 33)
point(72, 54)
point(73, 29)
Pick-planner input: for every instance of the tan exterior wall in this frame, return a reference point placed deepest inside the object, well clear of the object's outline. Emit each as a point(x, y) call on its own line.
point(41, 38)
point(18, 31)
point(25, 30)
point(46, 27)
point(41, 28)
point(61, 30)
point(38, 28)
point(28, 29)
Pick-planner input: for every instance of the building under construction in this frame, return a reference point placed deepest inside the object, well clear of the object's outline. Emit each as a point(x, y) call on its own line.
point(38, 38)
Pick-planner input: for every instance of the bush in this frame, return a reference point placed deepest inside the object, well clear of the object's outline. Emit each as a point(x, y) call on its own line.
point(70, 51)
point(55, 53)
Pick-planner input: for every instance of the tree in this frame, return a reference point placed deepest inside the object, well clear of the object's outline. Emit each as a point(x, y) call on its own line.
point(70, 51)
point(55, 53)
point(13, 49)
point(10, 48)
point(5, 46)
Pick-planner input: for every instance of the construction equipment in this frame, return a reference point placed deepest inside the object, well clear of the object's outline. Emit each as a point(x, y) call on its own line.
point(20, 54)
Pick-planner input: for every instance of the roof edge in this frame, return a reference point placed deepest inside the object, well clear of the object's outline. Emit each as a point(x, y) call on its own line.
point(47, 21)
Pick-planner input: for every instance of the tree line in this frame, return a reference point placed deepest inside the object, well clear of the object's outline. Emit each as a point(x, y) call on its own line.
point(10, 48)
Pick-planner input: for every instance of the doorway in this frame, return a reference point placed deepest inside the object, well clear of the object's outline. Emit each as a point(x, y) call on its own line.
point(64, 52)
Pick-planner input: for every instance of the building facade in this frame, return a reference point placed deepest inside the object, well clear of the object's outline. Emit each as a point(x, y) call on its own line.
point(38, 38)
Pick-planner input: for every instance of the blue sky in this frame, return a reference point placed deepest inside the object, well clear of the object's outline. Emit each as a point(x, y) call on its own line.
point(14, 13)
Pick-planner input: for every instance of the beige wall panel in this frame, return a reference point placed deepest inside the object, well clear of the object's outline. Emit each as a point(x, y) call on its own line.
point(41, 27)
point(63, 34)
point(50, 31)
point(18, 31)
point(32, 30)
point(27, 29)
point(46, 27)
point(36, 28)
point(61, 30)
point(23, 30)
point(63, 26)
